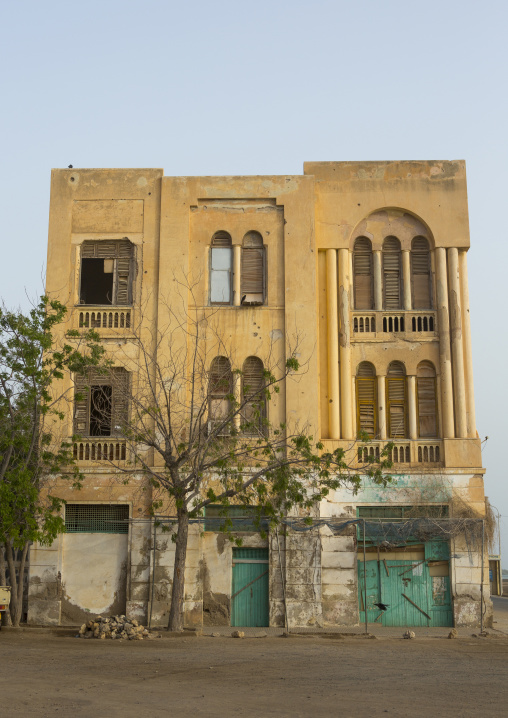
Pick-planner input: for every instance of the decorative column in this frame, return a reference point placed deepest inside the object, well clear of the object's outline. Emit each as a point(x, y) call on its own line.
point(406, 279)
point(411, 407)
point(378, 282)
point(445, 365)
point(466, 337)
point(237, 273)
point(457, 345)
point(381, 406)
point(332, 314)
point(345, 345)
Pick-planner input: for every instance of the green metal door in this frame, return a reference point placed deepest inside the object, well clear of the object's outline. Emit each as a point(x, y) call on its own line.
point(249, 594)
point(413, 596)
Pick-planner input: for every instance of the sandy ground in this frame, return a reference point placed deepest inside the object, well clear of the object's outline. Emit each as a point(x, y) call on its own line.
point(46, 675)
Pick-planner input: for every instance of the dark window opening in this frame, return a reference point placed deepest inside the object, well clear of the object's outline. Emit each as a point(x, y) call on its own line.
point(100, 410)
point(96, 281)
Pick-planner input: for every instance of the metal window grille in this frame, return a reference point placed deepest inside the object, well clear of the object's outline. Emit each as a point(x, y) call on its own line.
point(233, 518)
point(97, 518)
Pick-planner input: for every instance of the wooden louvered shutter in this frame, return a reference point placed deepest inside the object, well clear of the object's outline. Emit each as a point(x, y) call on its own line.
point(366, 388)
point(396, 405)
point(396, 400)
point(420, 274)
point(427, 404)
point(120, 408)
point(252, 271)
point(253, 412)
point(220, 385)
point(124, 266)
point(392, 274)
point(366, 399)
point(81, 406)
point(363, 274)
point(106, 249)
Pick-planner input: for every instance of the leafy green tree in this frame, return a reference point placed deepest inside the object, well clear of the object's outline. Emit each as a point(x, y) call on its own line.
point(35, 356)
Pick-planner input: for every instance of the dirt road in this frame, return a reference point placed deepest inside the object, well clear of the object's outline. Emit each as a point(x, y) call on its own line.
point(44, 675)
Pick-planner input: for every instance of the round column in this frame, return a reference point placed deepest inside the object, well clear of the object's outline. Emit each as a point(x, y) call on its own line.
point(332, 314)
point(445, 364)
point(411, 407)
point(459, 387)
point(345, 344)
point(237, 273)
point(466, 338)
point(378, 282)
point(406, 279)
point(381, 406)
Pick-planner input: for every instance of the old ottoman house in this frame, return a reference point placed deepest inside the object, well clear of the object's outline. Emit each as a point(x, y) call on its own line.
point(367, 261)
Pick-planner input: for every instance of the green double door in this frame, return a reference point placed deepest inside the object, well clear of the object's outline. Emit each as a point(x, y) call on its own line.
point(414, 597)
point(249, 595)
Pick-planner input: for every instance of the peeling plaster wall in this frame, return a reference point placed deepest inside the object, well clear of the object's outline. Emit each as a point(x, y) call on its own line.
point(94, 576)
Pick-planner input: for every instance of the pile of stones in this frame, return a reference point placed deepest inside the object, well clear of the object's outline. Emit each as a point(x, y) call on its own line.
point(119, 627)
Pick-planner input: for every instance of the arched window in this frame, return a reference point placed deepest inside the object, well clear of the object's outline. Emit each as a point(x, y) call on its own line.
point(392, 274)
point(427, 403)
point(220, 389)
point(254, 410)
point(420, 273)
point(363, 274)
point(396, 400)
point(366, 399)
point(221, 256)
point(253, 269)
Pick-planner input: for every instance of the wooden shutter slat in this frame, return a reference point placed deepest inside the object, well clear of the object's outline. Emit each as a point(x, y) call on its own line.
point(366, 396)
point(120, 409)
point(81, 406)
point(363, 274)
point(427, 415)
point(396, 403)
point(252, 271)
point(420, 273)
point(123, 270)
point(392, 273)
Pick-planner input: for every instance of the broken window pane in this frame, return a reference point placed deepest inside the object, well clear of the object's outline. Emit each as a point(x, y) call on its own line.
point(100, 410)
point(96, 281)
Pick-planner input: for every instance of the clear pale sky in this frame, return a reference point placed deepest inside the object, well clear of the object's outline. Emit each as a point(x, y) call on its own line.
point(258, 88)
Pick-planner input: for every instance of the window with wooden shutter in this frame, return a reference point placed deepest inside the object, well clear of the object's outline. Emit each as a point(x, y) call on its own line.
point(427, 401)
point(254, 411)
point(396, 400)
point(366, 399)
point(363, 274)
point(220, 387)
point(252, 281)
point(221, 256)
point(392, 274)
point(107, 272)
point(420, 274)
point(101, 403)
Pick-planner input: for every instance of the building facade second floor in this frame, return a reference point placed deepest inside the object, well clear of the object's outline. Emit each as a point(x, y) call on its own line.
point(359, 268)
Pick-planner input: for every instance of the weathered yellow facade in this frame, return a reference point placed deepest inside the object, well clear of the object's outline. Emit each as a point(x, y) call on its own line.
point(310, 226)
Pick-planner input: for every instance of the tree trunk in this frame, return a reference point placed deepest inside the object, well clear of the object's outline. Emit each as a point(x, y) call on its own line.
point(177, 592)
point(14, 606)
point(6, 615)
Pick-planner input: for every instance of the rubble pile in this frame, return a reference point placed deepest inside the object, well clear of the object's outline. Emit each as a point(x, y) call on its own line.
point(114, 627)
